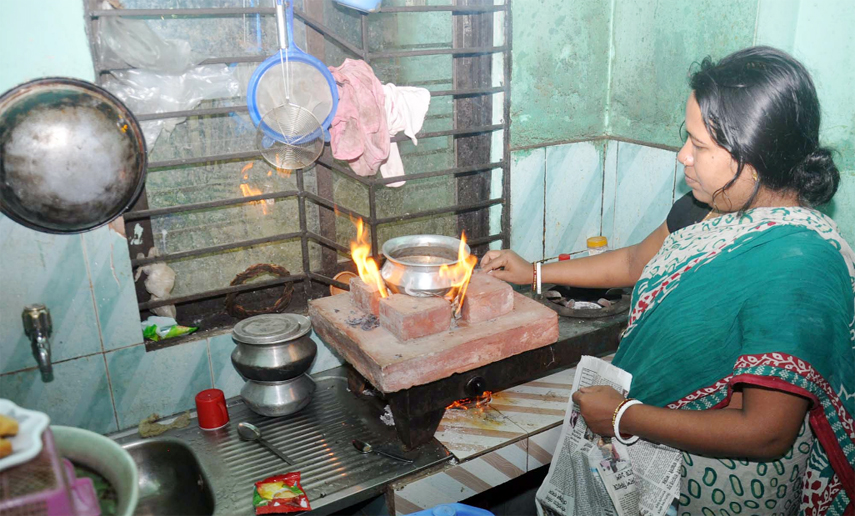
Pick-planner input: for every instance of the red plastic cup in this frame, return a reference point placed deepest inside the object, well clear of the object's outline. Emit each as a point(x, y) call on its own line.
point(211, 409)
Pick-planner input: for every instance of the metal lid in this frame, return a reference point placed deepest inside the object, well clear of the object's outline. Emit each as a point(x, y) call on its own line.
point(271, 328)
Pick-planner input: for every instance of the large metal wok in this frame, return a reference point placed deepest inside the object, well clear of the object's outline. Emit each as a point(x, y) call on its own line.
point(72, 156)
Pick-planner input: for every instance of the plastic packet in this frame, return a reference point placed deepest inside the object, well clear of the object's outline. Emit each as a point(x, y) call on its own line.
point(280, 494)
point(159, 328)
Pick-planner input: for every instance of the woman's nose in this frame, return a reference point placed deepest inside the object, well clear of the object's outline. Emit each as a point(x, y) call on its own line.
point(685, 155)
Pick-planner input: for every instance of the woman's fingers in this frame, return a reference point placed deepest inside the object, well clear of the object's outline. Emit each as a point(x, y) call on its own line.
point(493, 260)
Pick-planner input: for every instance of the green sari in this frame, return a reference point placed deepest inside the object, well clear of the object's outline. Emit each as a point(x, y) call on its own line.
point(765, 299)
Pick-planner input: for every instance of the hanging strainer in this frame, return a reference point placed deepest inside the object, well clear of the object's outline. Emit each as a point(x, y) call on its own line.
point(291, 76)
point(298, 141)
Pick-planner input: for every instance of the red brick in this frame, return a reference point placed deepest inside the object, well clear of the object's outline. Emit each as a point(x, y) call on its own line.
point(410, 317)
point(364, 296)
point(486, 298)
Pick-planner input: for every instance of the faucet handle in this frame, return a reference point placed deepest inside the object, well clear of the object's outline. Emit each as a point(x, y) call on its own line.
point(37, 322)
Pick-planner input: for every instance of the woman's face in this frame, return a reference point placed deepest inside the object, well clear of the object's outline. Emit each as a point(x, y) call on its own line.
point(709, 166)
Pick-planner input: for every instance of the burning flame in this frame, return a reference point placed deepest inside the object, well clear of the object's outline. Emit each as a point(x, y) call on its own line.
point(459, 274)
point(365, 265)
point(477, 402)
point(249, 191)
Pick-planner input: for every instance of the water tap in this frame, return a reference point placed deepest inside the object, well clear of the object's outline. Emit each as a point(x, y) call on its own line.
point(37, 326)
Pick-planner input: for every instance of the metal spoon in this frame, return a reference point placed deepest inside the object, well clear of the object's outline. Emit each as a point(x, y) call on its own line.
point(364, 447)
point(249, 432)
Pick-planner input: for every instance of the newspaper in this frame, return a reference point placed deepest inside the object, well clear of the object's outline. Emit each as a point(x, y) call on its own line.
point(593, 476)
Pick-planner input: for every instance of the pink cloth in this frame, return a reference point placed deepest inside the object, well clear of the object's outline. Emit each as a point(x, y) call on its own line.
point(359, 133)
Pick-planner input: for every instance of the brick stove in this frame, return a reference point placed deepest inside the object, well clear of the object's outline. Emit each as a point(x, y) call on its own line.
point(421, 359)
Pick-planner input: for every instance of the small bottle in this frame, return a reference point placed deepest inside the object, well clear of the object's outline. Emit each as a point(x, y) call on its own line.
point(597, 245)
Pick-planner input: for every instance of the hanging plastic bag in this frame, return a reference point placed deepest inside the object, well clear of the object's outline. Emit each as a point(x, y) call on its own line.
point(145, 91)
point(131, 42)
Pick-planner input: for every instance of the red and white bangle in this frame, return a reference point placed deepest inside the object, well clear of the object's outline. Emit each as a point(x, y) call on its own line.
point(616, 424)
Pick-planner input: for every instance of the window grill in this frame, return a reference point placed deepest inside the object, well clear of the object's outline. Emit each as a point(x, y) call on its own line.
point(318, 231)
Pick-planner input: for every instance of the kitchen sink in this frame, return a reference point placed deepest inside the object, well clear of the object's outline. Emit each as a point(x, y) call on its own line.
point(171, 480)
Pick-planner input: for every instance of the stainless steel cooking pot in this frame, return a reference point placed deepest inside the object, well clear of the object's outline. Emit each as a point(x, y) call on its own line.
point(72, 156)
point(413, 263)
point(273, 347)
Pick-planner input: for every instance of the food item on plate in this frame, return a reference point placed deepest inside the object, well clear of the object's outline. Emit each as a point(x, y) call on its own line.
point(280, 494)
point(8, 426)
point(5, 448)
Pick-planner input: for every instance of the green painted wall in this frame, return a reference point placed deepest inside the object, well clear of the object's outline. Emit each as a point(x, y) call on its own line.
point(655, 44)
point(560, 70)
point(37, 45)
point(820, 34)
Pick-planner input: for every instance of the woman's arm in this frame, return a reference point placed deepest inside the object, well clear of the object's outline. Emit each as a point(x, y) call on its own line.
point(763, 428)
point(618, 268)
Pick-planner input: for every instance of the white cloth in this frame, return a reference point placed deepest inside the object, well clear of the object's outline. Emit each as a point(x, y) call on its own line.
point(406, 107)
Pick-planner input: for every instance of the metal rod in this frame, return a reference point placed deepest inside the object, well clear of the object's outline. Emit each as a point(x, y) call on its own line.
point(331, 205)
point(506, 116)
point(467, 9)
point(242, 108)
point(438, 211)
point(484, 240)
point(447, 172)
point(225, 110)
point(210, 60)
point(372, 222)
point(328, 281)
point(467, 91)
point(394, 54)
point(230, 156)
point(327, 32)
point(342, 170)
point(216, 248)
point(255, 285)
point(452, 132)
point(217, 11)
point(327, 242)
point(144, 214)
point(304, 242)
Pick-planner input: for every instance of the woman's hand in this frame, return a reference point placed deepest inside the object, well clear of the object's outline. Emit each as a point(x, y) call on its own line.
point(597, 405)
point(516, 270)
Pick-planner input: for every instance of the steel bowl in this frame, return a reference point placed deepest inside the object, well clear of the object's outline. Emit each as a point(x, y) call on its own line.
point(273, 347)
point(413, 263)
point(72, 156)
point(276, 399)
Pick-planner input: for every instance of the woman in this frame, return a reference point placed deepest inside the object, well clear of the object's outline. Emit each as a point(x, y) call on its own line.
point(743, 301)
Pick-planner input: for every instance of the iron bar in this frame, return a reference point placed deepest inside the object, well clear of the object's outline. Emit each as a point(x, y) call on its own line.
point(506, 137)
point(327, 242)
point(395, 54)
point(224, 110)
point(304, 243)
point(213, 11)
point(463, 92)
point(208, 61)
point(452, 132)
point(327, 32)
point(457, 208)
point(462, 9)
point(331, 205)
point(372, 212)
point(328, 281)
point(216, 248)
point(230, 156)
point(484, 240)
point(144, 214)
point(335, 167)
point(255, 285)
point(242, 108)
point(447, 172)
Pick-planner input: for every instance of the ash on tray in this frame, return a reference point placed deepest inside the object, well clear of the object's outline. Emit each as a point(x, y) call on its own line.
point(366, 322)
point(387, 417)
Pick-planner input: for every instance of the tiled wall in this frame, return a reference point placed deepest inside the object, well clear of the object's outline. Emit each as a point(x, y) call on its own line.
point(563, 194)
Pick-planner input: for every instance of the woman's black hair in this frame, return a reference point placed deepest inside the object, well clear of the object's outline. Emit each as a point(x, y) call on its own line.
point(760, 104)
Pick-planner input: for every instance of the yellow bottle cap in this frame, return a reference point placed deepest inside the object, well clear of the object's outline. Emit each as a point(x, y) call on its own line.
point(598, 241)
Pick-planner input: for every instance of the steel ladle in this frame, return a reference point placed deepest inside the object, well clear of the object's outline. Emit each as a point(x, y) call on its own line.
point(364, 447)
point(249, 432)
